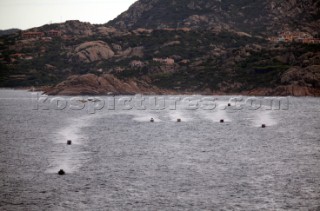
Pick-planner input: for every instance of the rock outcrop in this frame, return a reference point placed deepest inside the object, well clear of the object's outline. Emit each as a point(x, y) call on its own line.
point(107, 84)
point(76, 28)
point(131, 52)
point(101, 85)
point(93, 51)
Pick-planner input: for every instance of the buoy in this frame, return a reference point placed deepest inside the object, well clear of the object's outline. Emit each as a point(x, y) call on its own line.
point(69, 142)
point(61, 172)
point(263, 126)
point(152, 120)
point(221, 121)
point(229, 104)
point(178, 120)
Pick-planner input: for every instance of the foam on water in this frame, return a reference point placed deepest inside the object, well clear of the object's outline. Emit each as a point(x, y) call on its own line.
point(183, 115)
point(73, 130)
point(172, 115)
point(215, 116)
point(144, 116)
point(64, 162)
point(134, 166)
point(263, 117)
point(70, 159)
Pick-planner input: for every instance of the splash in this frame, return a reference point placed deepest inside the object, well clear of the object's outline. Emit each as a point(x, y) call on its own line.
point(216, 115)
point(263, 117)
point(70, 162)
point(73, 130)
point(144, 116)
point(183, 115)
point(69, 158)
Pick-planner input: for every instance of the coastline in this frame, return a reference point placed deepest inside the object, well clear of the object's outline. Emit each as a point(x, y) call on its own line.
point(264, 92)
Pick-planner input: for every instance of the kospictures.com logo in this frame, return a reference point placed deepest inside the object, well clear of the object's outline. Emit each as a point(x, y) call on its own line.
point(140, 102)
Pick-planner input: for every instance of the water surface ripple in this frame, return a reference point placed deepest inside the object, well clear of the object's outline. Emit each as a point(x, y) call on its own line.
point(121, 161)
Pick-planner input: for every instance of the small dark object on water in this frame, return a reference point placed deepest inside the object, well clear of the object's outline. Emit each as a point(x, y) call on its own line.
point(221, 121)
point(69, 142)
point(178, 120)
point(152, 120)
point(263, 126)
point(229, 104)
point(61, 172)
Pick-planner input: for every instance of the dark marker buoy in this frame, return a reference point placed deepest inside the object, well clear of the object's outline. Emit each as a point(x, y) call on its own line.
point(151, 120)
point(61, 172)
point(221, 121)
point(229, 104)
point(263, 126)
point(69, 142)
point(178, 120)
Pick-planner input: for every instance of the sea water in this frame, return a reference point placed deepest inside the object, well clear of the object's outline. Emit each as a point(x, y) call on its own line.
point(119, 160)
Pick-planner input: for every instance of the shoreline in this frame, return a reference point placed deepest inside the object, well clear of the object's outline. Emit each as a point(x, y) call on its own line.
point(166, 92)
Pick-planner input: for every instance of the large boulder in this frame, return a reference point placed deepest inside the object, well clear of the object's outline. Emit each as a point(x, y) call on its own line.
point(131, 52)
point(106, 30)
point(76, 28)
point(91, 84)
point(93, 51)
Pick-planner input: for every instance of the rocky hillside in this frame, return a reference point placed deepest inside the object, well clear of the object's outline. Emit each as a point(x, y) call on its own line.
point(259, 16)
point(170, 46)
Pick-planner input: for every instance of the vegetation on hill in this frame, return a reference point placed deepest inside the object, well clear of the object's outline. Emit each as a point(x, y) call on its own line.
point(190, 46)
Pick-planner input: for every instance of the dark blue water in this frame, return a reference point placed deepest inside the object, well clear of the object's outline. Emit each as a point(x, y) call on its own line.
point(121, 161)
